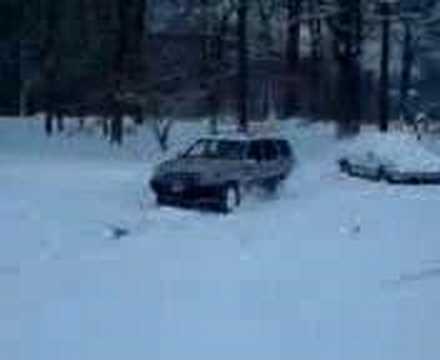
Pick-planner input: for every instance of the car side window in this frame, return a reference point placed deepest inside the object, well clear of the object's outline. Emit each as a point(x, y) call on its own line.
point(270, 150)
point(255, 151)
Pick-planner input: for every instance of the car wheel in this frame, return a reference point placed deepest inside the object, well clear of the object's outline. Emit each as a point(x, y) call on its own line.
point(271, 185)
point(345, 166)
point(389, 179)
point(230, 198)
point(381, 174)
point(160, 200)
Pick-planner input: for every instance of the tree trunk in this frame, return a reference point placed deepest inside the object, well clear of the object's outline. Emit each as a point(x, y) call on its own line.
point(49, 123)
point(105, 127)
point(315, 30)
point(243, 68)
point(405, 77)
point(50, 62)
point(128, 64)
point(24, 93)
point(205, 39)
point(138, 115)
point(60, 121)
point(116, 125)
point(350, 98)
point(294, 32)
point(384, 70)
point(358, 36)
point(119, 56)
point(214, 105)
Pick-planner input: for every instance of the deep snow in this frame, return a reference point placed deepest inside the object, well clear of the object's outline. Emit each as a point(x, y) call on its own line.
point(335, 268)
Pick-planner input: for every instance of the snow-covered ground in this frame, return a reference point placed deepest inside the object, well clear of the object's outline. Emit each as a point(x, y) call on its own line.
point(335, 268)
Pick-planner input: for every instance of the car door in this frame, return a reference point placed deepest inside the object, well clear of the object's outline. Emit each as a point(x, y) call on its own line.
point(270, 166)
point(253, 163)
point(286, 159)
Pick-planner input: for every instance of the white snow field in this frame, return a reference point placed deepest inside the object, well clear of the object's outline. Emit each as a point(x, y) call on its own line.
point(333, 269)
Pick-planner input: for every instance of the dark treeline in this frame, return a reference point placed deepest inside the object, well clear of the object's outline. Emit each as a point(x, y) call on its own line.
point(90, 53)
point(10, 13)
point(179, 58)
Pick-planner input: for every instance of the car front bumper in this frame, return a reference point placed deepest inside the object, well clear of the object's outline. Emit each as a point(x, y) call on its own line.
point(180, 193)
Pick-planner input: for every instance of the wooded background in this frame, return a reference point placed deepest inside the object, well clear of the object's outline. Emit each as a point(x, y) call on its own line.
point(351, 61)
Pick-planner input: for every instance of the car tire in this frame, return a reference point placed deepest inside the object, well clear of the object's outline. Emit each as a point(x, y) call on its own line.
point(381, 174)
point(230, 198)
point(389, 179)
point(345, 167)
point(272, 185)
point(160, 200)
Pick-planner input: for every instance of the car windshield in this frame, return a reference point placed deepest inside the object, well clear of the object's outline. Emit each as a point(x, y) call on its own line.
point(216, 149)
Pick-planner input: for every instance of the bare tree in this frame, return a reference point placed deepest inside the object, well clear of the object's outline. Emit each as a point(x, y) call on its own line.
point(127, 58)
point(294, 8)
point(50, 58)
point(243, 65)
